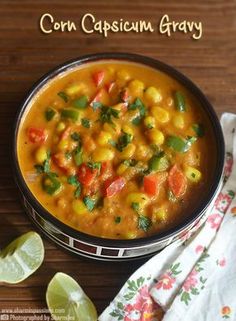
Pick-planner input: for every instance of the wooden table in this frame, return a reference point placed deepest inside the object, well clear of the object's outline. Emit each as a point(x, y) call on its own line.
point(26, 54)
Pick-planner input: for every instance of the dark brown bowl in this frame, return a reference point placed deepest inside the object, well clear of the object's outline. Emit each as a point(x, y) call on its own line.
point(108, 249)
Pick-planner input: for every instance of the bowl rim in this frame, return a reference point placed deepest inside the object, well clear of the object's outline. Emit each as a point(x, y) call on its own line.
point(148, 62)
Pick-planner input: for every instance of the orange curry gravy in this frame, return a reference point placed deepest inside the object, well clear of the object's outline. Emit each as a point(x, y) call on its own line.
point(117, 150)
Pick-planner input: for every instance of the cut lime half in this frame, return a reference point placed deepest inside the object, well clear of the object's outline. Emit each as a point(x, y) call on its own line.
point(67, 301)
point(21, 258)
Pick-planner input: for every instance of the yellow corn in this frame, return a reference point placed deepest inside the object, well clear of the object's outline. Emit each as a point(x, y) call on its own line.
point(149, 122)
point(41, 154)
point(119, 106)
point(178, 121)
point(63, 144)
point(60, 127)
point(160, 114)
point(142, 151)
point(136, 87)
point(121, 169)
point(130, 235)
point(159, 215)
point(123, 75)
point(102, 154)
point(79, 207)
point(116, 129)
point(153, 95)
point(103, 138)
point(193, 174)
point(74, 89)
point(156, 136)
point(140, 198)
point(128, 130)
point(128, 151)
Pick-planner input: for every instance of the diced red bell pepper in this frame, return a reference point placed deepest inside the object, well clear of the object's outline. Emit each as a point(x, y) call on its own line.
point(177, 181)
point(86, 175)
point(66, 133)
point(37, 135)
point(152, 183)
point(106, 170)
point(98, 77)
point(97, 97)
point(113, 186)
point(124, 95)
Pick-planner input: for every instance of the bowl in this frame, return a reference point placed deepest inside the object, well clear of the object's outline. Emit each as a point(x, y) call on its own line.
point(109, 249)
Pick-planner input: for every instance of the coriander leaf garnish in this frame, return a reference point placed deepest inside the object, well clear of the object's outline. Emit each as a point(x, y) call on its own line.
point(117, 219)
point(138, 104)
point(73, 180)
point(135, 206)
point(94, 165)
point(49, 113)
point(199, 129)
point(112, 142)
point(123, 141)
point(75, 136)
point(64, 96)
point(96, 105)
point(85, 122)
point(89, 203)
point(107, 113)
point(144, 223)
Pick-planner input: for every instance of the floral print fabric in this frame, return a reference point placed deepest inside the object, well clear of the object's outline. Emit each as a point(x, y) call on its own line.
point(195, 277)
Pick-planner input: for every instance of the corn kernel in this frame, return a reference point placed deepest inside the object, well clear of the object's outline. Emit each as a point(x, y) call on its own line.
point(123, 75)
point(156, 136)
point(116, 129)
point(103, 138)
point(121, 169)
point(128, 151)
point(60, 127)
point(130, 235)
point(41, 154)
point(119, 106)
point(79, 207)
point(136, 87)
point(103, 154)
point(142, 151)
point(159, 215)
point(128, 130)
point(193, 174)
point(153, 95)
point(160, 114)
point(178, 121)
point(63, 144)
point(74, 89)
point(149, 122)
point(140, 198)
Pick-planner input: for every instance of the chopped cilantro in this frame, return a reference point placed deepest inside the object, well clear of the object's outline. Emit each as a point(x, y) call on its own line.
point(89, 203)
point(144, 223)
point(117, 219)
point(75, 136)
point(64, 96)
point(199, 129)
point(73, 180)
point(135, 206)
point(85, 122)
point(107, 113)
point(138, 104)
point(112, 142)
point(77, 192)
point(49, 113)
point(96, 105)
point(94, 165)
point(123, 141)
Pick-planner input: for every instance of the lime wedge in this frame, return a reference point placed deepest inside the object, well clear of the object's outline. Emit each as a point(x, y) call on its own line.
point(67, 301)
point(21, 258)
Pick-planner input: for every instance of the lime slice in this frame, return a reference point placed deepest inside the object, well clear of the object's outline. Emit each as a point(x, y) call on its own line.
point(21, 258)
point(67, 301)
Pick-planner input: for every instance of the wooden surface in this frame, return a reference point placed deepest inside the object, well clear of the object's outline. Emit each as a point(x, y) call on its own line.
point(26, 54)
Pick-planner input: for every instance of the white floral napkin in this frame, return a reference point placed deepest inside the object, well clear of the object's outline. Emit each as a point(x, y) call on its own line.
point(196, 279)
